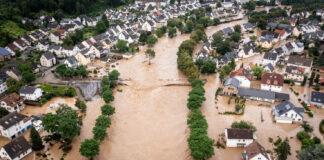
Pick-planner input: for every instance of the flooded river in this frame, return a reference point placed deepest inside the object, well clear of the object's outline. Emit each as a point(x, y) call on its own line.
point(150, 118)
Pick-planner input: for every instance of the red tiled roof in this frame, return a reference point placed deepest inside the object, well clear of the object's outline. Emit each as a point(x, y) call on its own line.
point(281, 32)
point(241, 72)
point(274, 79)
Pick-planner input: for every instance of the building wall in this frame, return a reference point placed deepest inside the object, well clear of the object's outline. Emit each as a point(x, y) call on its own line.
point(259, 157)
point(289, 117)
point(230, 90)
point(3, 87)
point(17, 108)
point(33, 97)
point(271, 88)
point(17, 129)
point(244, 82)
point(235, 142)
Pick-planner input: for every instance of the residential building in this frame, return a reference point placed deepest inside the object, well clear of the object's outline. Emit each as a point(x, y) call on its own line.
point(244, 77)
point(269, 67)
point(16, 149)
point(272, 82)
point(316, 99)
point(301, 62)
point(295, 73)
point(4, 54)
point(13, 103)
point(255, 151)
point(48, 59)
point(30, 93)
point(82, 59)
point(238, 137)
point(14, 124)
point(257, 94)
point(286, 112)
point(3, 82)
point(72, 62)
point(230, 87)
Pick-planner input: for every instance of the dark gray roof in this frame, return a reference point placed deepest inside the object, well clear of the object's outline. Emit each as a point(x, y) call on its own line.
point(286, 106)
point(317, 97)
point(11, 119)
point(282, 96)
point(252, 92)
point(248, 25)
point(227, 31)
point(270, 56)
point(232, 81)
point(270, 66)
point(49, 55)
point(17, 147)
point(72, 60)
point(27, 89)
point(227, 57)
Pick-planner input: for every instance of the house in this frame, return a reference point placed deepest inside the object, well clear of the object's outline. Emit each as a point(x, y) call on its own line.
point(14, 73)
point(294, 73)
point(56, 50)
point(265, 42)
point(42, 45)
point(305, 63)
point(246, 27)
point(30, 93)
point(283, 34)
point(286, 112)
point(269, 67)
point(72, 62)
point(16, 149)
point(13, 103)
point(316, 99)
point(236, 137)
point(14, 124)
point(48, 59)
point(4, 54)
point(288, 48)
point(272, 82)
point(12, 48)
point(226, 58)
point(227, 31)
point(257, 94)
point(3, 82)
point(82, 59)
point(243, 76)
point(20, 44)
point(255, 151)
point(247, 52)
point(270, 57)
point(230, 87)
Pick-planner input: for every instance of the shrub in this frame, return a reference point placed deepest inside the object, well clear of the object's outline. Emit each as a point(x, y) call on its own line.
point(244, 125)
point(302, 135)
point(107, 110)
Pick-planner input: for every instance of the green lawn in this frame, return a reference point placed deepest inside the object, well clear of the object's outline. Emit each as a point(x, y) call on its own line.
point(57, 90)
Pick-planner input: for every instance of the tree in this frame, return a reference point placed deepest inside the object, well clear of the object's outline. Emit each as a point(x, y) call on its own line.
point(3, 112)
point(188, 27)
point(103, 121)
point(302, 135)
point(35, 140)
point(253, 38)
point(258, 71)
point(236, 37)
point(100, 27)
point(219, 5)
point(99, 133)
point(151, 40)
point(108, 96)
point(315, 152)
point(232, 64)
point(28, 77)
point(249, 5)
point(172, 32)
point(107, 110)
point(244, 125)
point(283, 150)
point(143, 37)
point(308, 128)
point(199, 62)
point(237, 28)
point(122, 46)
point(172, 1)
point(151, 54)
point(209, 67)
point(81, 105)
point(65, 122)
point(113, 75)
point(262, 24)
point(161, 31)
point(89, 148)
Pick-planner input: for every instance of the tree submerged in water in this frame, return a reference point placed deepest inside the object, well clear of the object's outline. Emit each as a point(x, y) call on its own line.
point(151, 54)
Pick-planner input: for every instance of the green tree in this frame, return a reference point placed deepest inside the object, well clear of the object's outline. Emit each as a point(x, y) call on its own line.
point(89, 148)
point(253, 38)
point(161, 31)
point(151, 54)
point(99, 133)
point(315, 152)
point(249, 5)
point(28, 77)
point(108, 96)
point(3, 112)
point(81, 105)
point(209, 67)
point(101, 27)
point(236, 37)
point(307, 128)
point(65, 122)
point(199, 62)
point(172, 32)
point(151, 40)
point(244, 125)
point(113, 75)
point(219, 5)
point(122, 46)
point(103, 121)
point(262, 24)
point(107, 110)
point(258, 71)
point(143, 37)
point(232, 64)
point(237, 28)
point(172, 1)
point(283, 150)
point(35, 140)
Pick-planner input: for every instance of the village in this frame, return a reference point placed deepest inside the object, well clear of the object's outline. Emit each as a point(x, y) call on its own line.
point(124, 84)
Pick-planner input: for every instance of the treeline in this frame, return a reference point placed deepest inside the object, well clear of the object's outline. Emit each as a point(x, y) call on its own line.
point(200, 144)
point(90, 147)
point(260, 18)
point(304, 5)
